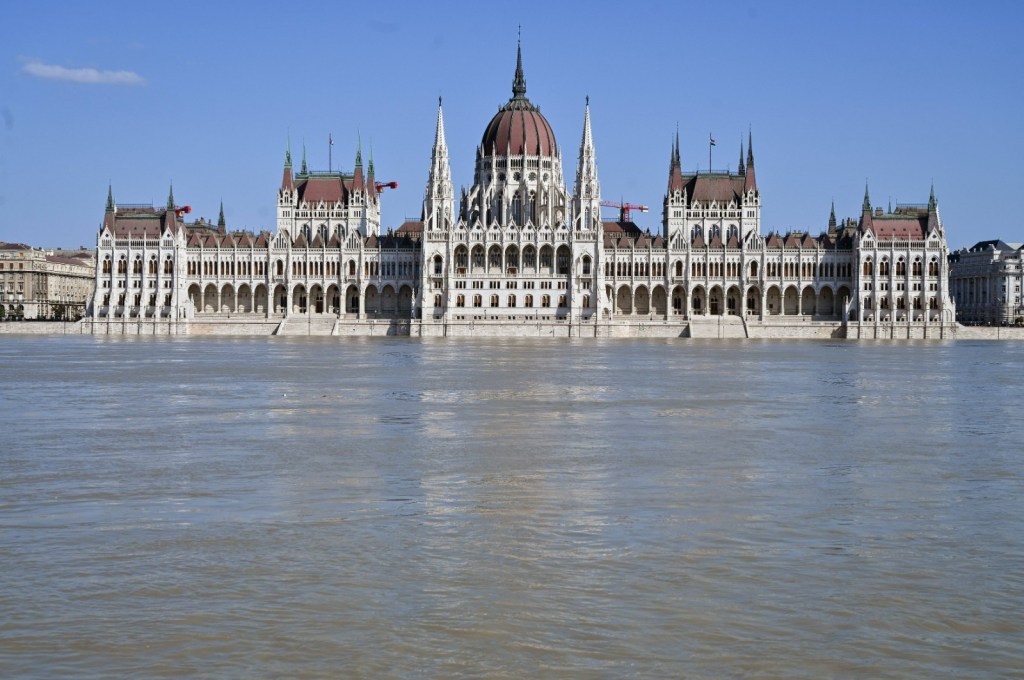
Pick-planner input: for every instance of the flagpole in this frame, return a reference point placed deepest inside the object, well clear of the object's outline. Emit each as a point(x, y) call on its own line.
point(711, 143)
point(330, 148)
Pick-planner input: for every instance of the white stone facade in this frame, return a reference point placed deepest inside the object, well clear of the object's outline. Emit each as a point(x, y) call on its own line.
point(521, 248)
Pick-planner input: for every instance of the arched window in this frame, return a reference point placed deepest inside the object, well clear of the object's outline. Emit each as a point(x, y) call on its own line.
point(586, 265)
point(901, 267)
point(438, 265)
point(868, 267)
point(753, 268)
point(511, 300)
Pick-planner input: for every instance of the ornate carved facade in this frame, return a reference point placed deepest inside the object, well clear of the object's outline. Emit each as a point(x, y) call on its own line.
point(520, 247)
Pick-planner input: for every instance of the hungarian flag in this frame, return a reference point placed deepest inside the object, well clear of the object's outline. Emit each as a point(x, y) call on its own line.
point(712, 140)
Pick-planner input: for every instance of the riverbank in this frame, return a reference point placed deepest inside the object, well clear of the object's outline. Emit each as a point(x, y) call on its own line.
point(712, 327)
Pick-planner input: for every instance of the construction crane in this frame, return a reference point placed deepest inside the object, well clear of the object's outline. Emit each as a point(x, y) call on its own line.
point(624, 209)
point(381, 186)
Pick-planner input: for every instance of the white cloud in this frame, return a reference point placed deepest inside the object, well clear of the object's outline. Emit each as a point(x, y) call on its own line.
point(89, 76)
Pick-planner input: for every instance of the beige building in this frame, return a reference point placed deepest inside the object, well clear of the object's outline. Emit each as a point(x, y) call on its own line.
point(44, 284)
point(986, 283)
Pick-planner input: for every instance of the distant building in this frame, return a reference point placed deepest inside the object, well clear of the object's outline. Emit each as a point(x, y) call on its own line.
point(521, 247)
point(986, 283)
point(44, 284)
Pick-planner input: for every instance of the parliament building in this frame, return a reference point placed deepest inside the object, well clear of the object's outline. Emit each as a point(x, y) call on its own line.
point(519, 253)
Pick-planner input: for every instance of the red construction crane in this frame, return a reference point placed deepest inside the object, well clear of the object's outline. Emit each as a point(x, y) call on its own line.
point(381, 186)
point(624, 209)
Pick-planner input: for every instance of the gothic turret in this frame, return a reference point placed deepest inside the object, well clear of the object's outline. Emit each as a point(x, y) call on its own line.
point(865, 210)
point(287, 179)
point(439, 197)
point(587, 192)
point(750, 181)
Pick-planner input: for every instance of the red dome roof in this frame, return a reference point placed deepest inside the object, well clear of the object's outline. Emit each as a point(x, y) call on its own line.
point(519, 128)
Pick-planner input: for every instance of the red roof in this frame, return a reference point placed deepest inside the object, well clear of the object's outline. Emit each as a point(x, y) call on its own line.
point(719, 188)
point(329, 189)
point(518, 129)
point(899, 228)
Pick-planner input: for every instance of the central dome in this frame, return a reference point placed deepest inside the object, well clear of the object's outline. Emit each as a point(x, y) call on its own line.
point(518, 128)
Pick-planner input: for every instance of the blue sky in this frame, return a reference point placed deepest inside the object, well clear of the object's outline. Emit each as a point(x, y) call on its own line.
point(900, 94)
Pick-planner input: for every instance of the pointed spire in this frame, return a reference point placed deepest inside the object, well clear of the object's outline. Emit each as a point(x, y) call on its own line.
point(359, 150)
point(170, 198)
point(832, 217)
point(750, 179)
point(220, 219)
point(934, 223)
point(519, 83)
point(866, 207)
point(586, 171)
point(888, 211)
point(370, 168)
point(675, 171)
point(110, 197)
point(288, 153)
point(740, 167)
point(304, 169)
point(439, 138)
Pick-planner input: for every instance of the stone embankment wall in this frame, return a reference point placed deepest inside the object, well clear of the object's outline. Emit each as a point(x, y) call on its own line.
point(701, 327)
point(990, 333)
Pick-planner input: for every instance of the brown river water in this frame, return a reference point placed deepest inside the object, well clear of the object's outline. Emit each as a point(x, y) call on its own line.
point(397, 508)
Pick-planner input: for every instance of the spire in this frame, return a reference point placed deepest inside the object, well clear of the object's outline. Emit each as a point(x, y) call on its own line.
point(370, 168)
point(865, 211)
point(740, 166)
point(439, 139)
point(359, 150)
point(519, 83)
point(750, 179)
point(304, 169)
point(170, 198)
point(832, 218)
point(586, 171)
point(439, 197)
point(888, 211)
point(675, 171)
point(934, 222)
point(220, 219)
point(286, 175)
point(866, 207)
point(110, 198)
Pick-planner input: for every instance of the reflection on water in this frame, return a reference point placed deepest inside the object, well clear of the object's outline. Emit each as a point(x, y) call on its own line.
point(509, 508)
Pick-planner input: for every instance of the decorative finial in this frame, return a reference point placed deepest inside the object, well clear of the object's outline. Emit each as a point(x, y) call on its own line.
point(304, 169)
point(519, 83)
point(359, 150)
point(288, 151)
